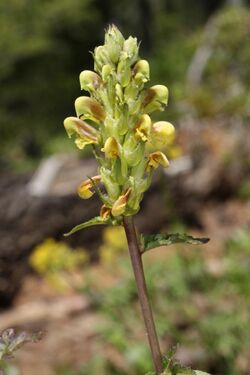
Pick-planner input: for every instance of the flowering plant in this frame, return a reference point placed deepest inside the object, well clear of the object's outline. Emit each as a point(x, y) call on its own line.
point(115, 121)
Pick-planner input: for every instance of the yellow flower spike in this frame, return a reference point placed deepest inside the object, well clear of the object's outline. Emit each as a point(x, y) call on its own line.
point(111, 148)
point(85, 134)
point(143, 128)
point(120, 204)
point(141, 71)
point(89, 81)
point(156, 98)
point(155, 159)
point(105, 212)
point(162, 133)
point(84, 189)
point(89, 108)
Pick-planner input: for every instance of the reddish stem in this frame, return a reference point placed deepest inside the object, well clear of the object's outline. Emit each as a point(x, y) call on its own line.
point(136, 261)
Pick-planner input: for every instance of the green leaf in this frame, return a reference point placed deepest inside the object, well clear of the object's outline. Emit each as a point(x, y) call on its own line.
point(200, 373)
point(98, 220)
point(151, 241)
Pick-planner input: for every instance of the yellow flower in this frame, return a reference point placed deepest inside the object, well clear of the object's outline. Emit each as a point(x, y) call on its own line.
point(84, 189)
point(162, 133)
point(89, 108)
point(85, 134)
point(143, 127)
point(156, 98)
point(141, 71)
point(89, 80)
point(111, 148)
point(157, 158)
point(120, 204)
point(105, 212)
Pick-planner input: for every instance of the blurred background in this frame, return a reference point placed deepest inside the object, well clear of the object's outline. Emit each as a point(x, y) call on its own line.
point(81, 291)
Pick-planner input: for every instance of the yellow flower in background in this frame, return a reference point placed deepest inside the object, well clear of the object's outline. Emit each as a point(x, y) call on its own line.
point(51, 256)
point(114, 244)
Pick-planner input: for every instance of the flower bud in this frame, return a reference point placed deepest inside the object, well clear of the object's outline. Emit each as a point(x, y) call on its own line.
point(157, 158)
point(110, 183)
point(105, 212)
point(139, 170)
point(141, 71)
point(113, 43)
point(130, 50)
point(133, 150)
point(101, 57)
point(111, 148)
point(123, 72)
point(119, 206)
point(143, 128)
point(89, 108)
point(106, 72)
point(113, 33)
point(84, 189)
point(85, 134)
point(89, 81)
point(156, 98)
point(138, 186)
point(119, 93)
point(162, 133)
point(125, 77)
point(122, 123)
point(131, 92)
point(135, 105)
point(120, 170)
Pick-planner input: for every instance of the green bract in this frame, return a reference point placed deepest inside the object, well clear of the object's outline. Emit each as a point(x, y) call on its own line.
point(119, 125)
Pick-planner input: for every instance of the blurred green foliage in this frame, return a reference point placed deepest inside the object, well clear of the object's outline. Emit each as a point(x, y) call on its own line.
point(223, 87)
point(201, 303)
point(43, 44)
point(43, 48)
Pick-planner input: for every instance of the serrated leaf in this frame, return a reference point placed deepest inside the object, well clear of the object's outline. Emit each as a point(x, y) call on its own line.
point(10, 341)
point(98, 220)
point(151, 241)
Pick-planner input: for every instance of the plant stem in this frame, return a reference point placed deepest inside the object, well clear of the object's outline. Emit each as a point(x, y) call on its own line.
point(136, 260)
